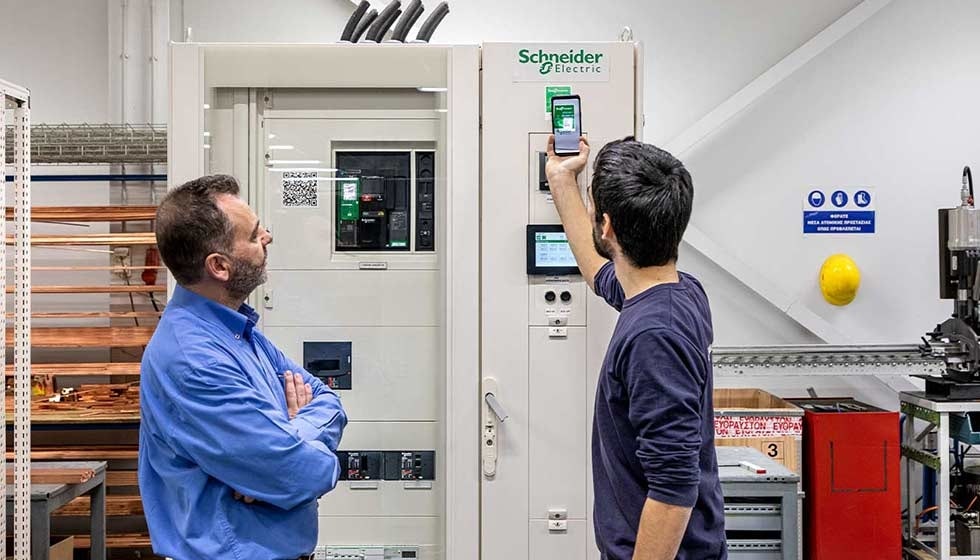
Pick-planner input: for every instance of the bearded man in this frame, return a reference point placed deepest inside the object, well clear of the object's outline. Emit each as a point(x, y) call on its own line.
point(237, 442)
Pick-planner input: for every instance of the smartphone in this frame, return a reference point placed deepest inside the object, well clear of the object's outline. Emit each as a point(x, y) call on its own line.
point(566, 121)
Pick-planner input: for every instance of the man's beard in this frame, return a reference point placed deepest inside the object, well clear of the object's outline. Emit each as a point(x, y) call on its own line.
point(601, 246)
point(245, 277)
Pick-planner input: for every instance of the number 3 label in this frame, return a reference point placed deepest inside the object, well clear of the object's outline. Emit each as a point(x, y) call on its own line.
point(773, 449)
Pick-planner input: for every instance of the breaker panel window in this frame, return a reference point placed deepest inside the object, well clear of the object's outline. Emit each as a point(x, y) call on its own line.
point(385, 201)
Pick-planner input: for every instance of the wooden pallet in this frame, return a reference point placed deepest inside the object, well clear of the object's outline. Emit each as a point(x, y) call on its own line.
point(86, 337)
point(91, 268)
point(87, 239)
point(121, 478)
point(120, 540)
point(89, 453)
point(89, 213)
point(81, 417)
point(54, 476)
point(95, 315)
point(115, 506)
point(111, 289)
point(117, 368)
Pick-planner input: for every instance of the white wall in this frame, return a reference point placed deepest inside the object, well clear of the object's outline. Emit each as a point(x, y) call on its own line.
point(892, 106)
point(57, 48)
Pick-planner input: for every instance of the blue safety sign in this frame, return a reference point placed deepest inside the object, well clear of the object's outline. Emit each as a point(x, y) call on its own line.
point(839, 198)
point(816, 199)
point(862, 199)
point(851, 210)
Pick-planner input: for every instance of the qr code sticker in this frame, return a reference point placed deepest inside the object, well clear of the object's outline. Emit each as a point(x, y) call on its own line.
point(299, 189)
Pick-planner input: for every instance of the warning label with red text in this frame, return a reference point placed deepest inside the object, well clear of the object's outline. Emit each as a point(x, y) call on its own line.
point(757, 426)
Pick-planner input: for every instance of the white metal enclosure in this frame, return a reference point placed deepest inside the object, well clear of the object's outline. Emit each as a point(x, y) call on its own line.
point(399, 251)
point(545, 376)
point(403, 312)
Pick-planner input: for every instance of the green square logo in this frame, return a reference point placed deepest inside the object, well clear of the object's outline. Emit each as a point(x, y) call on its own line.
point(349, 199)
point(551, 91)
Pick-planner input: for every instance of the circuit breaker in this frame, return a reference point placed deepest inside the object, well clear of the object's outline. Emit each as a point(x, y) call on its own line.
point(360, 465)
point(331, 362)
point(387, 465)
point(385, 200)
point(410, 465)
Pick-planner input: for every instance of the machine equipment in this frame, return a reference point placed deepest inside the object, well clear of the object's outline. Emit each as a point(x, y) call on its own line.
point(956, 339)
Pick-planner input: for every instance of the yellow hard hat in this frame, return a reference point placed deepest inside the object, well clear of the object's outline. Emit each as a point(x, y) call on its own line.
point(839, 279)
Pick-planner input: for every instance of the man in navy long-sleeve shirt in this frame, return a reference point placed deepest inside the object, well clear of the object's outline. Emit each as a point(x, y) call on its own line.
point(237, 442)
point(657, 493)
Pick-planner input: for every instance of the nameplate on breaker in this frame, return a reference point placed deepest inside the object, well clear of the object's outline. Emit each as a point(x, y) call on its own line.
point(372, 265)
point(418, 485)
point(364, 485)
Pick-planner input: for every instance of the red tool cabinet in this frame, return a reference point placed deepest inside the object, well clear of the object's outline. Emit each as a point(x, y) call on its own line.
point(851, 456)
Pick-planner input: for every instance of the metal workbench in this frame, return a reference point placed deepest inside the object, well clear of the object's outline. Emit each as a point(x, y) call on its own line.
point(46, 498)
point(767, 506)
point(925, 414)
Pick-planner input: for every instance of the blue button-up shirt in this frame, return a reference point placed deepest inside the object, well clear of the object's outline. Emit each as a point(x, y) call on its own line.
point(214, 421)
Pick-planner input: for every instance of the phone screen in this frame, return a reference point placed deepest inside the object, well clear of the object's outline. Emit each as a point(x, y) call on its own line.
point(566, 115)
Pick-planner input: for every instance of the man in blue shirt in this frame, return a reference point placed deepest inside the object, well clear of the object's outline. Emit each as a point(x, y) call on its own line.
point(237, 442)
point(657, 493)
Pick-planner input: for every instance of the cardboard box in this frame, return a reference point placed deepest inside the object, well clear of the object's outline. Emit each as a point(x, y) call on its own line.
point(757, 419)
point(63, 549)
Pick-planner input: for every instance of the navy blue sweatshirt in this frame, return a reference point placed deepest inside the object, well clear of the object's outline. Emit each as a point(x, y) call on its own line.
point(653, 434)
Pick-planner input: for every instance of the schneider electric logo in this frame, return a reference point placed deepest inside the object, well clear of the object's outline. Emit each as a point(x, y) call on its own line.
point(568, 62)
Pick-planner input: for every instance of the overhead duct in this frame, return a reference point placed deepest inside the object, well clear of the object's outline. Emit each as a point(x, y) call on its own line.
point(354, 19)
point(366, 21)
point(384, 21)
point(387, 25)
point(429, 27)
point(408, 19)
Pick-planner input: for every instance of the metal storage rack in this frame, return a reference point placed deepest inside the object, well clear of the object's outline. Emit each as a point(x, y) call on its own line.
point(97, 144)
point(17, 99)
point(57, 431)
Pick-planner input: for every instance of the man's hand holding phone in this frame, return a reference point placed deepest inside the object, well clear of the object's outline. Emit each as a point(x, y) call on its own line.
point(563, 170)
point(562, 173)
